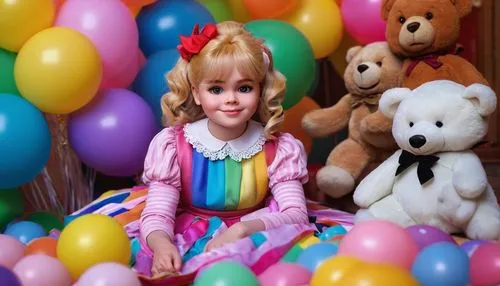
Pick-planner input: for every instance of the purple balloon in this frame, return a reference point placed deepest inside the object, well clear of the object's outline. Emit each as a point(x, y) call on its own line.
point(113, 132)
point(8, 278)
point(470, 246)
point(425, 235)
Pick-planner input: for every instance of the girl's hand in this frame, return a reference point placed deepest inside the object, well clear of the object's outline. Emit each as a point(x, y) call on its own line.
point(166, 257)
point(235, 232)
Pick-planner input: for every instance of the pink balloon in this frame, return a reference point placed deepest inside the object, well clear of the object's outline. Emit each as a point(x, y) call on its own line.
point(40, 269)
point(126, 77)
point(285, 274)
point(109, 25)
point(485, 265)
point(109, 274)
point(363, 20)
point(11, 251)
point(381, 242)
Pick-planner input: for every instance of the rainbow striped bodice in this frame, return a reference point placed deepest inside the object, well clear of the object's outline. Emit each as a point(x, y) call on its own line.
point(223, 184)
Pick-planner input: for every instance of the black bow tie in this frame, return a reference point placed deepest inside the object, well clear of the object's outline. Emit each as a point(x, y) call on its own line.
point(425, 163)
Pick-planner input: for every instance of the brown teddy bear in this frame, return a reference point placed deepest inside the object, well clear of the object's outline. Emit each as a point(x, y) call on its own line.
point(371, 70)
point(424, 32)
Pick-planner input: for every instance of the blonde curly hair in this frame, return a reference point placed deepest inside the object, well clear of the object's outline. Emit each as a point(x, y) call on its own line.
point(233, 47)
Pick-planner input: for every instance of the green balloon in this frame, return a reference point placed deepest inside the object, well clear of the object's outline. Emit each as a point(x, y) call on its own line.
point(219, 9)
point(226, 273)
point(47, 220)
point(11, 206)
point(292, 55)
point(7, 82)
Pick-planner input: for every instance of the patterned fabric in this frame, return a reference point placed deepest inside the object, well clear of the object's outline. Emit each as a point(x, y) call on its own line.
point(223, 184)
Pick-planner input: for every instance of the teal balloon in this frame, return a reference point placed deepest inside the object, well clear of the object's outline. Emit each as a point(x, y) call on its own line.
point(226, 273)
point(314, 85)
point(24, 141)
point(7, 82)
point(292, 55)
point(219, 9)
point(11, 206)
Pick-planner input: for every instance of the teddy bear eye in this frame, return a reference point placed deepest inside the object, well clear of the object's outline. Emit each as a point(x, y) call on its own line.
point(429, 15)
point(402, 20)
point(411, 124)
point(379, 63)
point(439, 124)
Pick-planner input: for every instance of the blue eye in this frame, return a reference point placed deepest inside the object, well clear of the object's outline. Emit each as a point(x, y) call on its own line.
point(216, 90)
point(245, 89)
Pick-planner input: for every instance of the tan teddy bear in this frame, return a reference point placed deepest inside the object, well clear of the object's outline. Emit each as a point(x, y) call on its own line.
point(371, 70)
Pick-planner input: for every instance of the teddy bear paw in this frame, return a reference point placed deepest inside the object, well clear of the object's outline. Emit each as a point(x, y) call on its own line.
point(455, 209)
point(334, 181)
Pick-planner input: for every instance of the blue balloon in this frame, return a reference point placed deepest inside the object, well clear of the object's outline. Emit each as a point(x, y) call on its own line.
point(161, 23)
point(332, 232)
point(151, 83)
point(312, 257)
point(442, 263)
point(24, 141)
point(25, 231)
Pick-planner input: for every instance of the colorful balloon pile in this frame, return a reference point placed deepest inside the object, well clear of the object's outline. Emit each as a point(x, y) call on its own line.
point(375, 253)
point(91, 250)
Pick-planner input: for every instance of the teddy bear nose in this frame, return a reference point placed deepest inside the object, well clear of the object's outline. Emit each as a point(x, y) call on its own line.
point(413, 27)
point(417, 141)
point(362, 68)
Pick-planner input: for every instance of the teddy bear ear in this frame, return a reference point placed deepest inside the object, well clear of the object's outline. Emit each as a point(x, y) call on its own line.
point(390, 100)
point(464, 7)
point(386, 8)
point(483, 98)
point(352, 52)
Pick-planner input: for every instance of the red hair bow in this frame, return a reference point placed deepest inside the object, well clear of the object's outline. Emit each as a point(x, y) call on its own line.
point(193, 44)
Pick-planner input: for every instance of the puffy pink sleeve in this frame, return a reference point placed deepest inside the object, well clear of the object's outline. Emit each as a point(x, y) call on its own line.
point(162, 174)
point(287, 173)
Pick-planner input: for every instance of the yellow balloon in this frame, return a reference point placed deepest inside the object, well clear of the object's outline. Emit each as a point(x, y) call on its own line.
point(378, 275)
point(239, 11)
point(321, 23)
point(58, 70)
point(92, 239)
point(331, 271)
point(337, 58)
point(21, 19)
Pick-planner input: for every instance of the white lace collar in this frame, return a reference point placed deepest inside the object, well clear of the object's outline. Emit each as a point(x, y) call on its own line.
point(243, 147)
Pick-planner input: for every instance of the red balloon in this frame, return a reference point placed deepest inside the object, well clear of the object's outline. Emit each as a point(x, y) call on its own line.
point(485, 265)
point(269, 9)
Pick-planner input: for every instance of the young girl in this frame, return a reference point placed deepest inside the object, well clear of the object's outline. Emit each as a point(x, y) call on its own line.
point(222, 155)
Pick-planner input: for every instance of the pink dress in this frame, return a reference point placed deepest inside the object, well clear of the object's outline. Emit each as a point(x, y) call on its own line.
point(193, 177)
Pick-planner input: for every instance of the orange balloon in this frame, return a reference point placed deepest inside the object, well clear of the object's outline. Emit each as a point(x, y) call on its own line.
point(135, 9)
point(293, 118)
point(43, 245)
point(269, 9)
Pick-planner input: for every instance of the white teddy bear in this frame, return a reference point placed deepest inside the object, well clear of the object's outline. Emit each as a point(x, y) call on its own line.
point(434, 178)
